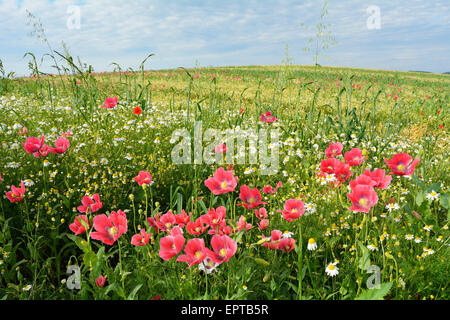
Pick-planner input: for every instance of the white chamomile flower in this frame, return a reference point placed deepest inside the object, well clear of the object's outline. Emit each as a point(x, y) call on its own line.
point(433, 195)
point(312, 244)
point(372, 247)
point(392, 206)
point(27, 287)
point(287, 234)
point(332, 270)
point(409, 237)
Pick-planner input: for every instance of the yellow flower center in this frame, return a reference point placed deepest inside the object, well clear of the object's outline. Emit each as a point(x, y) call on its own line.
point(198, 254)
point(400, 167)
point(311, 241)
point(224, 185)
point(331, 267)
point(223, 252)
point(363, 201)
point(112, 231)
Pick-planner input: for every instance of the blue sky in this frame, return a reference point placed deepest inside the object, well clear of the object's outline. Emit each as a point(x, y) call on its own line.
point(413, 35)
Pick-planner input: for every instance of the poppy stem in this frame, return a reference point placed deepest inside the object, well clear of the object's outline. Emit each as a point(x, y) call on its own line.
point(300, 261)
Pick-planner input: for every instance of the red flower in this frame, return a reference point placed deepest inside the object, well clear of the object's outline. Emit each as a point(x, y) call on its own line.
point(141, 239)
point(267, 118)
point(222, 182)
point(402, 164)
point(214, 217)
point(354, 157)
point(100, 281)
point(329, 165)
point(268, 189)
point(286, 244)
point(167, 221)
point(334, 149)
point(261, 213)
point(242, 224)
point(109, 103)
point(137, 111)
point(221, 148)
point(293, 209)
point(61, 146)
point(263, 224)
point(33, 144)
point(362, 180)
point(275, 238)
point(77, 227)
point(195, 252)
point(379, 176)
point(342, 172)
point(251, 198)
point(363, 197)
point(143, 177)
point(197, 227)
point(170, 246)
point(224, 248)
point(182, 219)
point(90, 205)
point(109, 229)
point(16, 194)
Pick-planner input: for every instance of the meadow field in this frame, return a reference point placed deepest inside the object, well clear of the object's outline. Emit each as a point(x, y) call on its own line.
point(128, 184)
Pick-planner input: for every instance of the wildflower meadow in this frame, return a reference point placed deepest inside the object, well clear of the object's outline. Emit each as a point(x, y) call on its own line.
point(278, 182)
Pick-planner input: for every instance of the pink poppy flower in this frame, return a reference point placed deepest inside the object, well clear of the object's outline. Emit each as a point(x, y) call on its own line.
point(100, 281)
point(182, 218)
point(293, 209)
point(195, 252)
point(43, 151)
point(224, 248)
point(379, 177)
point(286, 244)
point(109, 229)
point(251, 197)
point(61, 146)
point(221, 148)
point(242, 224)
point(167, 221)
point(334, 150)
point(90, 205)
point(329, 165)
point(214, 216)
point(261, 213)
point(263, 224)
point(362, 180)
point(363, 198)
point(33, 144)
point(275, 237)
point(170, 246)
point(143, 177)
point(268, 189)
point(77, 227)
point(16, 194)
point(109, 103)
point(222, 182)
point(141, 239)
point(354, 157)
point(267, 117)
point(342, 172)
point(196, 227)
point(402, 164)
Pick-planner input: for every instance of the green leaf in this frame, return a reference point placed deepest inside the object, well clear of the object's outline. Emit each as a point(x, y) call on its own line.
point(375, 294)
point(444, 200)
point(132, 295)
point(364, 260)
point(419, 198)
